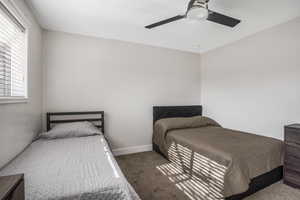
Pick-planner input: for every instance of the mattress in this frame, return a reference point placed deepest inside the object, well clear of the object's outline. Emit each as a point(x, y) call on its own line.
point(225, 158)
point(73, 168)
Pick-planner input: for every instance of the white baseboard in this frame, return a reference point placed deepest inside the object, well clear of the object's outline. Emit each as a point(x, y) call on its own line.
point(130, 150)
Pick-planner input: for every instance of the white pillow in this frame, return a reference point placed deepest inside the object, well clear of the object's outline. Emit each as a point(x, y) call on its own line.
point(75, 129)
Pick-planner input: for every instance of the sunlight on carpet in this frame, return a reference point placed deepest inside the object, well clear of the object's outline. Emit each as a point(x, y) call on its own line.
point(200, 178)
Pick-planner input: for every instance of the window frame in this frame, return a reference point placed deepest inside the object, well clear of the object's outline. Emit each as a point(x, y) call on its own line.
point(13, 9)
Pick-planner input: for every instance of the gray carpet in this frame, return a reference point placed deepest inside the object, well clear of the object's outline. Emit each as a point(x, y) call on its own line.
point(154, 178)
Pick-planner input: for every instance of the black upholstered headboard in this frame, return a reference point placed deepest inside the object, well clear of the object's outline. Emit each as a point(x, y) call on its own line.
point(160, 112)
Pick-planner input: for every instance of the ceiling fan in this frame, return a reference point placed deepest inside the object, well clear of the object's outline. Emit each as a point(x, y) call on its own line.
point(198, 10)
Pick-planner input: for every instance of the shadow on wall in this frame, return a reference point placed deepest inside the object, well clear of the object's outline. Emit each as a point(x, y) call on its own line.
point(198, 177)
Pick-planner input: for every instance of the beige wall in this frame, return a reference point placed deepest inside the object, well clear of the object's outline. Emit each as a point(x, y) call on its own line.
point(19, 123)
point(254, 84)
point(123, 79)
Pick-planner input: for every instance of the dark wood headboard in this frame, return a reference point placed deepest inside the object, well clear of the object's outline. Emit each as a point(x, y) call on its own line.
point(160, 112)
point(98, 118)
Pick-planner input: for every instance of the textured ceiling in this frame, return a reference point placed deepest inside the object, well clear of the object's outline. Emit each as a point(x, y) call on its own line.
point(125, 20)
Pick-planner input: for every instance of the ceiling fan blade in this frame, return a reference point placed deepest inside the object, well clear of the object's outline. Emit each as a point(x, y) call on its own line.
point(222, 19)
point(166, 21)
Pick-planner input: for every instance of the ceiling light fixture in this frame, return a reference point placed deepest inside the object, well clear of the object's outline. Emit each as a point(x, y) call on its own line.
point(197, 13)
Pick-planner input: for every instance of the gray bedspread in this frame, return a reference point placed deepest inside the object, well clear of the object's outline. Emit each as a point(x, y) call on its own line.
point(225, 158)
point(74, 168)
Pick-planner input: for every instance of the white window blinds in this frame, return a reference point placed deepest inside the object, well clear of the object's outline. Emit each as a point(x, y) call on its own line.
point(13, 66)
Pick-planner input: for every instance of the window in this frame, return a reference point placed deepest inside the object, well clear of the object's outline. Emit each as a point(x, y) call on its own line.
point(13, 57)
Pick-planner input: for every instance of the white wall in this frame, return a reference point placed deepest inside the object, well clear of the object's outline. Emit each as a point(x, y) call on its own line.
point(254, 84)
point(123, 79)
point(19, 123)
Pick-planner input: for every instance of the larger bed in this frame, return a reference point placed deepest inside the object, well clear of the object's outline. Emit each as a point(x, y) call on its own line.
point(235, 164)
point(71, 168)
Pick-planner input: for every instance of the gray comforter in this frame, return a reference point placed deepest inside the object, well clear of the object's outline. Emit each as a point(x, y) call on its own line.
point(225, 158)
point(74, 168)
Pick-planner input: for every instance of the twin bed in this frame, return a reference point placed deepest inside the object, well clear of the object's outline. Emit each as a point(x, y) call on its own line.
point(73, 167)
point(237, 163)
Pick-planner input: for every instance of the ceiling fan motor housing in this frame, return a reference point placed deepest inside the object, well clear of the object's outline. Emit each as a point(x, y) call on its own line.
point(198, 3)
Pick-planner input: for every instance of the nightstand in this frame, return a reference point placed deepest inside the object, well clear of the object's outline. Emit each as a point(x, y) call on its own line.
point(12, 187)
point(292, 155)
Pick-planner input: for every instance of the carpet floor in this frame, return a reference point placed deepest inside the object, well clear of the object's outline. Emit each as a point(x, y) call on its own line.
point(154, 178)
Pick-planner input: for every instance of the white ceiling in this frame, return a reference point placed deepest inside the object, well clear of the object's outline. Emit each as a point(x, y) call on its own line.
point(125, 20)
